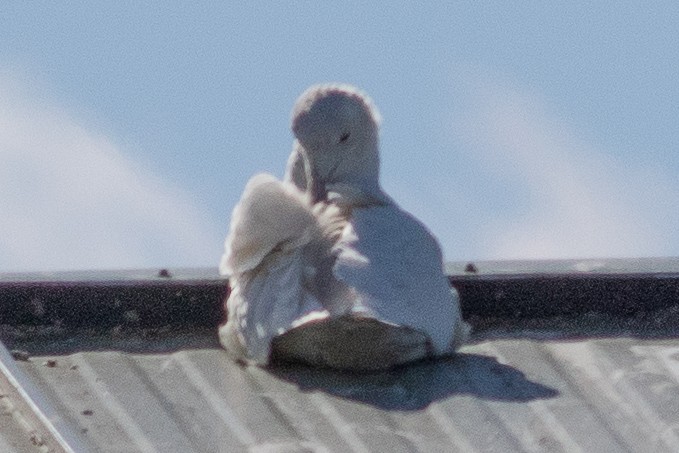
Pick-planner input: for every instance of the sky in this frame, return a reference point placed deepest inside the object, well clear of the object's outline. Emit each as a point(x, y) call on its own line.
point(523, 130)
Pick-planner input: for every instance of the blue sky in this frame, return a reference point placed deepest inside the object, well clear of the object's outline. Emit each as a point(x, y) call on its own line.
point(530, 130)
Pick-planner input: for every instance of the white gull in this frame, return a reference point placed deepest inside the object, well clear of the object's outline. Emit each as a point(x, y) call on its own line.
point(324, 267)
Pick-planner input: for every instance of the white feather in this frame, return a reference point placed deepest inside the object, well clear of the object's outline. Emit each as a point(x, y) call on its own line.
point(277, 261)
point(270, 214)
point(394, 265)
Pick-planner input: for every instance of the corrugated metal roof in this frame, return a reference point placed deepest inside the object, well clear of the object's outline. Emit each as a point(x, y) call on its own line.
point(577, 380)
point(15, 434)
point(32, 424)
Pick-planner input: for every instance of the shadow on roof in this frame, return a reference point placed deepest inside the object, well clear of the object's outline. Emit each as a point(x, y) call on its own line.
point(416, 386)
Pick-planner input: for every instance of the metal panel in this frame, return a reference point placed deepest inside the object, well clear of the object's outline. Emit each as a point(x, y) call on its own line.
point(15, 435)
point(500, 394)
point(31, 419)
point(580, 380)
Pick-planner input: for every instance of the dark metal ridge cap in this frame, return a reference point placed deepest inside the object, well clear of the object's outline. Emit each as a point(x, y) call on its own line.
point(140, 298)
point(548, 288)
point(195, 297)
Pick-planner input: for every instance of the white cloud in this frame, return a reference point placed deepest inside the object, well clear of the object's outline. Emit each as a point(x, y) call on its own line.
point(70, 199)
point(570, 199)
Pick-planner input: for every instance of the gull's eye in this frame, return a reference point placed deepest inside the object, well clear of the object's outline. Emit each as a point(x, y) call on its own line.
point(344, 137)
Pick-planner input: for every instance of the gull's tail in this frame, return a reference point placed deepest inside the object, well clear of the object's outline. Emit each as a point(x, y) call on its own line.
point(270, 216)
point(277, 252)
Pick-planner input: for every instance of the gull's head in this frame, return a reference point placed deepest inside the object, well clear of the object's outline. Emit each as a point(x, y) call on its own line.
point(337, 129)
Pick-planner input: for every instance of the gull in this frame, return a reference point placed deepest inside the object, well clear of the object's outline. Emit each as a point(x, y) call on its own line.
point(324, 267)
